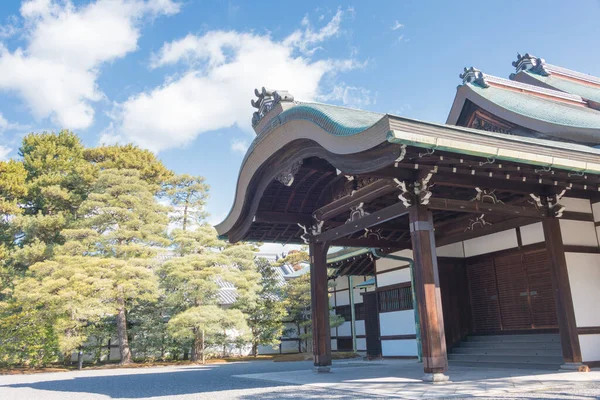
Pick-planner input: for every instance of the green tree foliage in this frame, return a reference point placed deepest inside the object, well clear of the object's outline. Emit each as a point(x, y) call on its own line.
point(187, 195)
point(265, 316)
point(125, 222)
point(151, 170)
point(205, 325)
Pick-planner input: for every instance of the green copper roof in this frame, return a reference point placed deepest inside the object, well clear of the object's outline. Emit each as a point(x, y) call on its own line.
point(586, 91)
point(339, 121)
point(337, 254)
point(540, 108)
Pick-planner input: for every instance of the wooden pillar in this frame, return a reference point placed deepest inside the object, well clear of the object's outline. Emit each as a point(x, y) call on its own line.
point(427, 290)
point(321, 331)
point(562, 291)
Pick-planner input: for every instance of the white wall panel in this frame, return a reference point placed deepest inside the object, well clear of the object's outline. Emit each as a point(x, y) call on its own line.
point(334, 344)
point(451, 250)
point(533, 233)
point(333, 332)
point(332, 299)
point(342, 298)
point(289, 346)
point(341, 282)
point(361, 344)
point(397, 323)
point(344, 329)
point(577, 205)
point(490, 243)
point(590, 347)
point(580, 233)
point(385, 263)
point(391, 348)
point(393, 277)
point(584, 277)
point(596, 210)
point(269, 349)
point(357, 297)
point(360, 327)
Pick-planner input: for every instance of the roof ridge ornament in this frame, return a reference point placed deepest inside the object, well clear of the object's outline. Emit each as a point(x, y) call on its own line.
point(529, 62)
point(266, 99)
point(474, 75)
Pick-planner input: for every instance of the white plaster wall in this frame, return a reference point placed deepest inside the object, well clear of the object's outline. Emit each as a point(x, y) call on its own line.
point(334, 344)
point(451, 250)
point(357, 297)
point(393, 277)
point(574, 204)
point(345, 329)
point(596, 211)
point(292, 328)
point(590, 347)
point(490, 243)
point(342, 298)
point(584, 278)
point(533, 233)
point(390, 348)
point(361, 344)
point(360, 327)
point(385, 263)
point(580, 233)
point(341, 282)
point(333, 332)
point(332, 299)
point(269, 349)
point(397, 323)
point(289, 346)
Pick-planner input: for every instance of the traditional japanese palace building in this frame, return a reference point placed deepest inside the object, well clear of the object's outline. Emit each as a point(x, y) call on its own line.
point(496, 213)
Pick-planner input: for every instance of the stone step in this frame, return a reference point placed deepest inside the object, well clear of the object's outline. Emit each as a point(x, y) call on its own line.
point(511, 359)
point(479, 364)
point(511, 345)
point(533, 338)
point(491, 351)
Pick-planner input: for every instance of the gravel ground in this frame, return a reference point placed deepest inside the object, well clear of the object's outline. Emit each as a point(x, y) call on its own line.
point(213, 382)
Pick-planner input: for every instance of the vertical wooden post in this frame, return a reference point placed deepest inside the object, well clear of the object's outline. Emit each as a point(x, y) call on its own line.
point(321, 331)
point(565, 312)
point(427, 290)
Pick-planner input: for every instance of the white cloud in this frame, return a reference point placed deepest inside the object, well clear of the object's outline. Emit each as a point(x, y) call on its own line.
point(4, 152)
point(214, 92)
point(351, 96)
point(397, 25)
point(56, 73)
point(240, 146)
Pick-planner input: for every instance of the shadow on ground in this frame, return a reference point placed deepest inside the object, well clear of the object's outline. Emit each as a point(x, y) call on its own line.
point(143, 385)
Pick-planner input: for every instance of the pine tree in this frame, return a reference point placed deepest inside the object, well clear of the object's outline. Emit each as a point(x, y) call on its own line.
point(187, 195)
point(124, 221)
point(265, 316)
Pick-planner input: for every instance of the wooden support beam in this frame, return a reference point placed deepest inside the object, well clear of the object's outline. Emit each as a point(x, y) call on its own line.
point(273, 217)
point(450, 235)
point(370, 242)
point(485, 208)
point(427, 290)
point(321, 331)
point(376, 218)
point(563, 299)
point(365, 194)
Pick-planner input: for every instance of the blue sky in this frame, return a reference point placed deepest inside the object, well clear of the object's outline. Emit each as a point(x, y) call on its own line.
point(177, 76)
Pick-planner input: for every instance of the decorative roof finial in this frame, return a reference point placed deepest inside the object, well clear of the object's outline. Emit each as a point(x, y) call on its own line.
point(529, 62)
point(266, 100)
point(473, 75)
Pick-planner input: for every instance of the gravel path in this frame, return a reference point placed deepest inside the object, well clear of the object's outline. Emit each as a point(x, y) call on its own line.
point(214, 382)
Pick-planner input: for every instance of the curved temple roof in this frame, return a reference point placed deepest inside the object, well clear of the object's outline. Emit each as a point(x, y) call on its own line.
point(339, 134)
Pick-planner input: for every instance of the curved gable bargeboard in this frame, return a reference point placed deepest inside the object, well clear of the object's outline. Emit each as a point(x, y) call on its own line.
point(334, 130)
point(564, 122)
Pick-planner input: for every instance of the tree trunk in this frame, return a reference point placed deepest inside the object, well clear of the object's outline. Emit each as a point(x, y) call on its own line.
point(186, 354)
point(254, 349)
point(122, 333)
point(202, 346)
point(80, 359)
